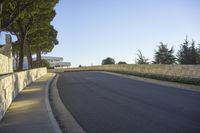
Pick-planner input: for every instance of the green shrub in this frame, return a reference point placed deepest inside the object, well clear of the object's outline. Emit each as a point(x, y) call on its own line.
point(43, 63)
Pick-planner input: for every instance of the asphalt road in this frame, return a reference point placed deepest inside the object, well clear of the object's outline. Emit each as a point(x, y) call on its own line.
point(104, 103)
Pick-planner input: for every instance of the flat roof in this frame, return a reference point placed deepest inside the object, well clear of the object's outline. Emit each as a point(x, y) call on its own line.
point(52, 57)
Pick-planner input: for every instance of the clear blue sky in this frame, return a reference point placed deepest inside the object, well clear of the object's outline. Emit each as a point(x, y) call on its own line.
point(91, 30)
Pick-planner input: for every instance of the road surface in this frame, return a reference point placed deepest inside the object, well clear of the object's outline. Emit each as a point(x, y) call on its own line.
point(104, 103)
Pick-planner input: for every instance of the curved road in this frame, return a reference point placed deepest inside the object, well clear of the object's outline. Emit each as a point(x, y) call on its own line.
point(104, 103)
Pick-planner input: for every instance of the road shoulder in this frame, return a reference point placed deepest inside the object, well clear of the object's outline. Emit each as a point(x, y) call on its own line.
point(66, 121)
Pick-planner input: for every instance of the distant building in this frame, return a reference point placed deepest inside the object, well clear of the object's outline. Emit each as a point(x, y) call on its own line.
point(55, 62)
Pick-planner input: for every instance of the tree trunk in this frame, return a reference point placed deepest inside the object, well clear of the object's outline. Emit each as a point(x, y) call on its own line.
point(21, 53)
point(29, 56)
point(38, 58)
point(16, 58)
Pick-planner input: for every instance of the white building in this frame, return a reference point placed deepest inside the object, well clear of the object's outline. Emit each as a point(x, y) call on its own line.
point(56, 61)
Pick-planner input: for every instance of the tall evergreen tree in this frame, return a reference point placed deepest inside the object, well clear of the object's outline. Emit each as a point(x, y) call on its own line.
point(183, 53)
point(198, 54)
point(164, 55)
point(187, 53)
point(193, 53)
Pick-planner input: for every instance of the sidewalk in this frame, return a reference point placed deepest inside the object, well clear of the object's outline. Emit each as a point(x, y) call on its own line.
point(29, 112)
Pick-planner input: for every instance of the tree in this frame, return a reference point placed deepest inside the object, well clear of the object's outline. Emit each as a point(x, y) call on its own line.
point(43, 41)
point(121, 62)
point(15, 53)
point(10, 10)
point(108, 61)
point(163, 55)
point(44, 63)
point(183, 53)
point(38, 14)
point(141, 59)
point(198, 54)
point(193, 53)
point(187, 54)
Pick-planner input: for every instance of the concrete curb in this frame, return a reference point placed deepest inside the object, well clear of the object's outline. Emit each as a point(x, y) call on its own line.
point(49, 110)
point(66, 121)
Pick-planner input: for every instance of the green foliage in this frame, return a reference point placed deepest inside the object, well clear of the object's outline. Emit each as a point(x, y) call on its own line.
point(198, 54)
point(187, 53)
point(44, 39)
point(30, 22)
point(12, 10)
point(163, 55)
point(121, 62)
point(108, 61)
point(141, 59)
point(44, 63)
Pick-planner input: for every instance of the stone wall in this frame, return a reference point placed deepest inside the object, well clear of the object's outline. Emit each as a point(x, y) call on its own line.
point(6, 62)
point(12, 84)
point(6, 65)
point(191, 71)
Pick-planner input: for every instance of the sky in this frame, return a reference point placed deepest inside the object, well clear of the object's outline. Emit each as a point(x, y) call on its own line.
point(91, 30)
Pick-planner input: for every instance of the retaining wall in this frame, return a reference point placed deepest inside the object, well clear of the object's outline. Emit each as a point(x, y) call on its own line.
point(12, 84)
point(188, 71)
point(5, 64)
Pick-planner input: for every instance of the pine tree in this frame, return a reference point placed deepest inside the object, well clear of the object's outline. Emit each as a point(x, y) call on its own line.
point(198, 54)
point(29, 16)
point(163, 55)
point(193, 53)
point(187, 53)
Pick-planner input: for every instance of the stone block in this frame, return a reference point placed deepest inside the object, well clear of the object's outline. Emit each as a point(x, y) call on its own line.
point(11, 85)
point(2, 110)
point(2, 96)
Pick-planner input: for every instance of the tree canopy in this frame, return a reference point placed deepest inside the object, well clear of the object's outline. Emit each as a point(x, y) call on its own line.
point(164, 55)
point(198, 54)
point(30, 22)
point(121, 62)
point(187, 54)
point(108, 61)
